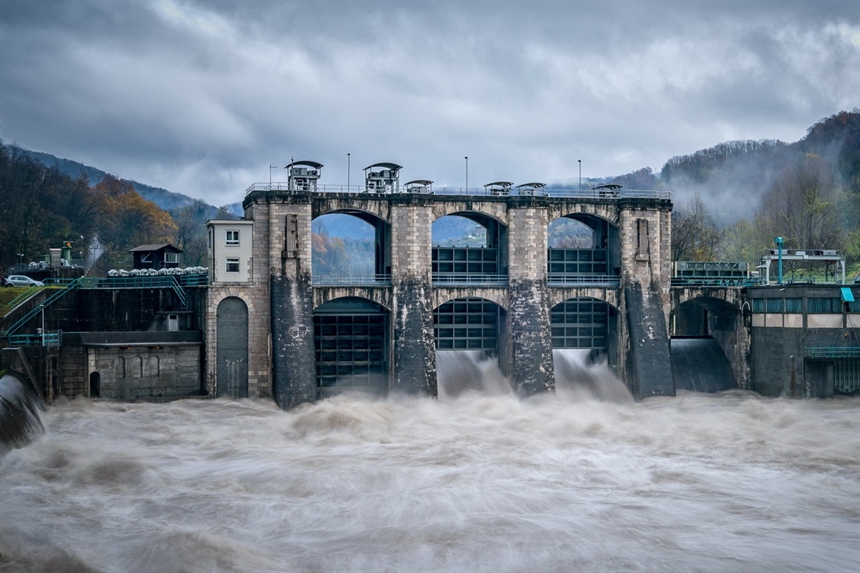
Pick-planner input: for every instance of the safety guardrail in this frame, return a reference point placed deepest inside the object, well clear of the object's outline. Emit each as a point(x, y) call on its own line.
point(562, 192)
point(831, 352)
point(43, 339)
point(457, 279)
point(48, 302)
point(714, 282)
point(27, 293)
point(351, 280)
point(558, 279)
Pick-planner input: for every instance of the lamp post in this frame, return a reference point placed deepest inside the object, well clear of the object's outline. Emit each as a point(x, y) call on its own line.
point(778, 241)
point(580, 173)
point(348, 159)
point(467, 173)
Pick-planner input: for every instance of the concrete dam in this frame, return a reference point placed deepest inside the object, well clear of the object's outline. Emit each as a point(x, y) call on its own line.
point(548, 275)
point(515, 297)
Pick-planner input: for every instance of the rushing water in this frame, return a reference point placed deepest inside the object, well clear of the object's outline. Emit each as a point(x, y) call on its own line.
point(577, 481)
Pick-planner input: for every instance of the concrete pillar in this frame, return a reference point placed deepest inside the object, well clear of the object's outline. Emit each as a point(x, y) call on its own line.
point(531, 368)
point(292, 326)
point(414, 368)
point(645, 267)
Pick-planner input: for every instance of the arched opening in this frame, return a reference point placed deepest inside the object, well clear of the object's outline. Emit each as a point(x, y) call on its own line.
point(232, 348)
point(95, 385)
point(469, 248)
point(351, 343)
point(469, 334)
point(351, 248)
point(585, 349)
point(582, 249)
point(701, 329)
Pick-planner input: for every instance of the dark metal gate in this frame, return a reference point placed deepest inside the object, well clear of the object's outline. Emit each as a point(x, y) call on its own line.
point(232, 351)
point(467, 324)
point(351, 343)
point(580, 323)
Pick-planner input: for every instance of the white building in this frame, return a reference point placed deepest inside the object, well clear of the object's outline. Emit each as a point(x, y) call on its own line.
point(230, 251)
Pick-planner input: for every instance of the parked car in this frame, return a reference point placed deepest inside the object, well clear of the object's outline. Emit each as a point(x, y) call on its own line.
point(21, 280)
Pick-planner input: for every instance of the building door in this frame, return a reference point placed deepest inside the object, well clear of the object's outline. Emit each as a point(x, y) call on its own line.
point(232, 348)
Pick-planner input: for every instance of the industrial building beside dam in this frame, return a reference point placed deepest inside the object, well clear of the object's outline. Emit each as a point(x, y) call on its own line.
point(261, 323)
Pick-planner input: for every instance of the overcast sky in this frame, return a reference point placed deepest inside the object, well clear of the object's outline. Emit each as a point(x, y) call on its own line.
point(201, 98)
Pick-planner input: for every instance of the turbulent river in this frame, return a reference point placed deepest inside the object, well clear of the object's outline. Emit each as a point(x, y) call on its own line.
point(583, 480)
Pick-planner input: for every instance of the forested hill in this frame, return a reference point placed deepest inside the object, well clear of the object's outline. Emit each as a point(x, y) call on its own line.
point(732, 178)
point(165, 199)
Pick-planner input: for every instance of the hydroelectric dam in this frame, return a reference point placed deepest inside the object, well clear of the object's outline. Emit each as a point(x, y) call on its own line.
point(514, 298)
point(541, 275)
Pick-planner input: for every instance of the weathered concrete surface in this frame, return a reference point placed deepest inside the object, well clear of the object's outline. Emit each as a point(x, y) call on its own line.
point(414, 350)
point(649, 366)
point(531, 345)
point(293, 370)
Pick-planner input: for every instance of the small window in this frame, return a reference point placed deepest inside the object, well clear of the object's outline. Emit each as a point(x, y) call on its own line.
point(232, 265)
point(758, 305)
point(233, 238)
point(824, 305)
point(171, 258)
point(774, 305)
point(793, 305)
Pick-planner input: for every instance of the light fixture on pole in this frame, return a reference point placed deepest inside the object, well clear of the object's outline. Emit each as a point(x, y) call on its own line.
point(467, 173)
point(348, 159)
point(580, 173)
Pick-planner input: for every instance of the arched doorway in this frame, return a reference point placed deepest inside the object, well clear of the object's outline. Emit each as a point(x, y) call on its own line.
point(232, 348)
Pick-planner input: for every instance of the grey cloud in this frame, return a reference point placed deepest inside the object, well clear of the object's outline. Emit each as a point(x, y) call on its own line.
point(202, 97)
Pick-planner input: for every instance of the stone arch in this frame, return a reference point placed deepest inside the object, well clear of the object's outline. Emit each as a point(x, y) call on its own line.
point(494, 210)
point(345, 259)
point(572, 259)
point(700, 315)
point(609, 296)
point(380, 296)
point(483, 261)
point(231, 378)
point(354, 206)
point(608, 213)
point(496, 295)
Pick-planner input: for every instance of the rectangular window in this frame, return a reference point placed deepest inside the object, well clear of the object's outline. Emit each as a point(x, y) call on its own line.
point(774, 305)
point(824, 305)
point(232, 265)
point(171, 257)
point(233, 238)
point(758, 305)
point(794, 305)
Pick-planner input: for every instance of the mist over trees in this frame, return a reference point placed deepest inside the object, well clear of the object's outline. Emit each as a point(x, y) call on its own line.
point(746, 193)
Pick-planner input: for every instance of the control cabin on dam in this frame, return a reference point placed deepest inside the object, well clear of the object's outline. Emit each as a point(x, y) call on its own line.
point(512, 271)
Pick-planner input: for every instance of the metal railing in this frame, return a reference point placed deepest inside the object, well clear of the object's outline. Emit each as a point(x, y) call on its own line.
point(26, 294)
point(561, 192)
point(43, 339)
point(458, 279)
point(566, 279)
point(714, 282)
point(831, 352)
point(351, 280)
point(48, 302)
